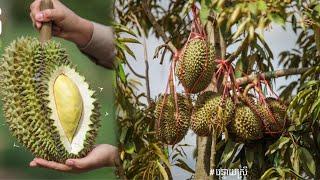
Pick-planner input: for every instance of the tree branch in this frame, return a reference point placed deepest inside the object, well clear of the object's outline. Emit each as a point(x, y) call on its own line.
point(147, 78)
point(271, 74)
point(158, 29)
point(134, 72)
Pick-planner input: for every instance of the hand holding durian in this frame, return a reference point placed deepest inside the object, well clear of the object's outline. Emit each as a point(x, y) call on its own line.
point(48, 105)
point(66, 24)
point(103, 155)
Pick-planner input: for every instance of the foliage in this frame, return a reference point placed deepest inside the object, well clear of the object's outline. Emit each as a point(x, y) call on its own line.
point(229, 23)
point(141, 154)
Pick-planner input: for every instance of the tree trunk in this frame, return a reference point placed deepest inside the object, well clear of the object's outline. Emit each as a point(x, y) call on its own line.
point(202, 158)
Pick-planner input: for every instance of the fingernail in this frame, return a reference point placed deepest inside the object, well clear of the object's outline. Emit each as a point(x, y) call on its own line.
point(39, 16)
point(70, 162)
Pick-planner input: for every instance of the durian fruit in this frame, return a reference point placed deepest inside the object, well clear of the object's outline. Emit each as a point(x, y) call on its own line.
point(196, 65)
point(246, 125)
point(173, 123)
point(211, 111)
point(48, 106)
point(279, 115)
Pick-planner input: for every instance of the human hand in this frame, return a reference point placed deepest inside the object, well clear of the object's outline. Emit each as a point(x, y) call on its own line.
point(66, 24)
point(103, 155)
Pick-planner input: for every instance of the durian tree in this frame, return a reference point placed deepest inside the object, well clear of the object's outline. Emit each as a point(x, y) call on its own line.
point(274, 137)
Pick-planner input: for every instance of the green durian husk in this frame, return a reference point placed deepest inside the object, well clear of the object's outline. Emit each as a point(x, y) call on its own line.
point(173, 122)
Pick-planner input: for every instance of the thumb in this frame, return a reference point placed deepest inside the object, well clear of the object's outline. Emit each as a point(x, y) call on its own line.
point(49, 15)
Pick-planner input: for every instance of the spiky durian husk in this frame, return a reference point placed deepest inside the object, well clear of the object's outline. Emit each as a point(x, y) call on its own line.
point(173, 124)
point(211, 111)
point(196, 65)
point(279, 115)
point(22, 109)
point(56, 59)
point(246, 125)
point(26, 68)
point(272, 114)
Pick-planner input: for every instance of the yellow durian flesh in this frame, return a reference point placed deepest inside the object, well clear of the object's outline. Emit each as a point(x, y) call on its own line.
point(69, 104)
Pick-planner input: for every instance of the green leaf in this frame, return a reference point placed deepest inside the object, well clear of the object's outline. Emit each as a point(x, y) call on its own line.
point(239, 69)
point(253, 8)
point(123, 135)
point(204, 11)
point(276, 18)
point(122, 74)
point(162, 171)
point(241, 28)
point(130, 147)
point(317, 8)
point(250, 157)
point(267, 174)
point(183, 165)
point(307, 160)
point(262, 6)
point(228, 153)
point(278, 145)
point(129, 40)
point(160, 154)
point(287, 170)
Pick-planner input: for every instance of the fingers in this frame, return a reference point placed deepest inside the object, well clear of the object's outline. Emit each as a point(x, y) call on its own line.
point(51, 165)
point(80, 164)
point(38, 16)
point(49, 15)
point(34, 9)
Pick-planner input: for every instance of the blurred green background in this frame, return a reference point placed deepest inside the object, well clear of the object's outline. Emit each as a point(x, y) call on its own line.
point(14, 160)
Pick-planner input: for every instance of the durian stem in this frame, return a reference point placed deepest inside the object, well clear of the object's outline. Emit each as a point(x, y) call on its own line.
point(46, 29)
point(271, 74)
point(171, 85)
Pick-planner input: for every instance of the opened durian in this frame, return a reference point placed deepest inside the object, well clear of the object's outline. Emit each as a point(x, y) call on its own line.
point(246, 125)
point(211, 111)
point(47, 104)
point(196, 65)
point(173, 122)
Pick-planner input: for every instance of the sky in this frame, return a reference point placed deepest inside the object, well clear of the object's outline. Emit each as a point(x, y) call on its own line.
point(278, 39)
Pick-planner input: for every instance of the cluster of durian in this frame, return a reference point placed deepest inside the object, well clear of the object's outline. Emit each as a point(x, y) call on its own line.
point(245, 121)
point(254, 120)
point(196, 65)
point(173, 117)
point(47, 105)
